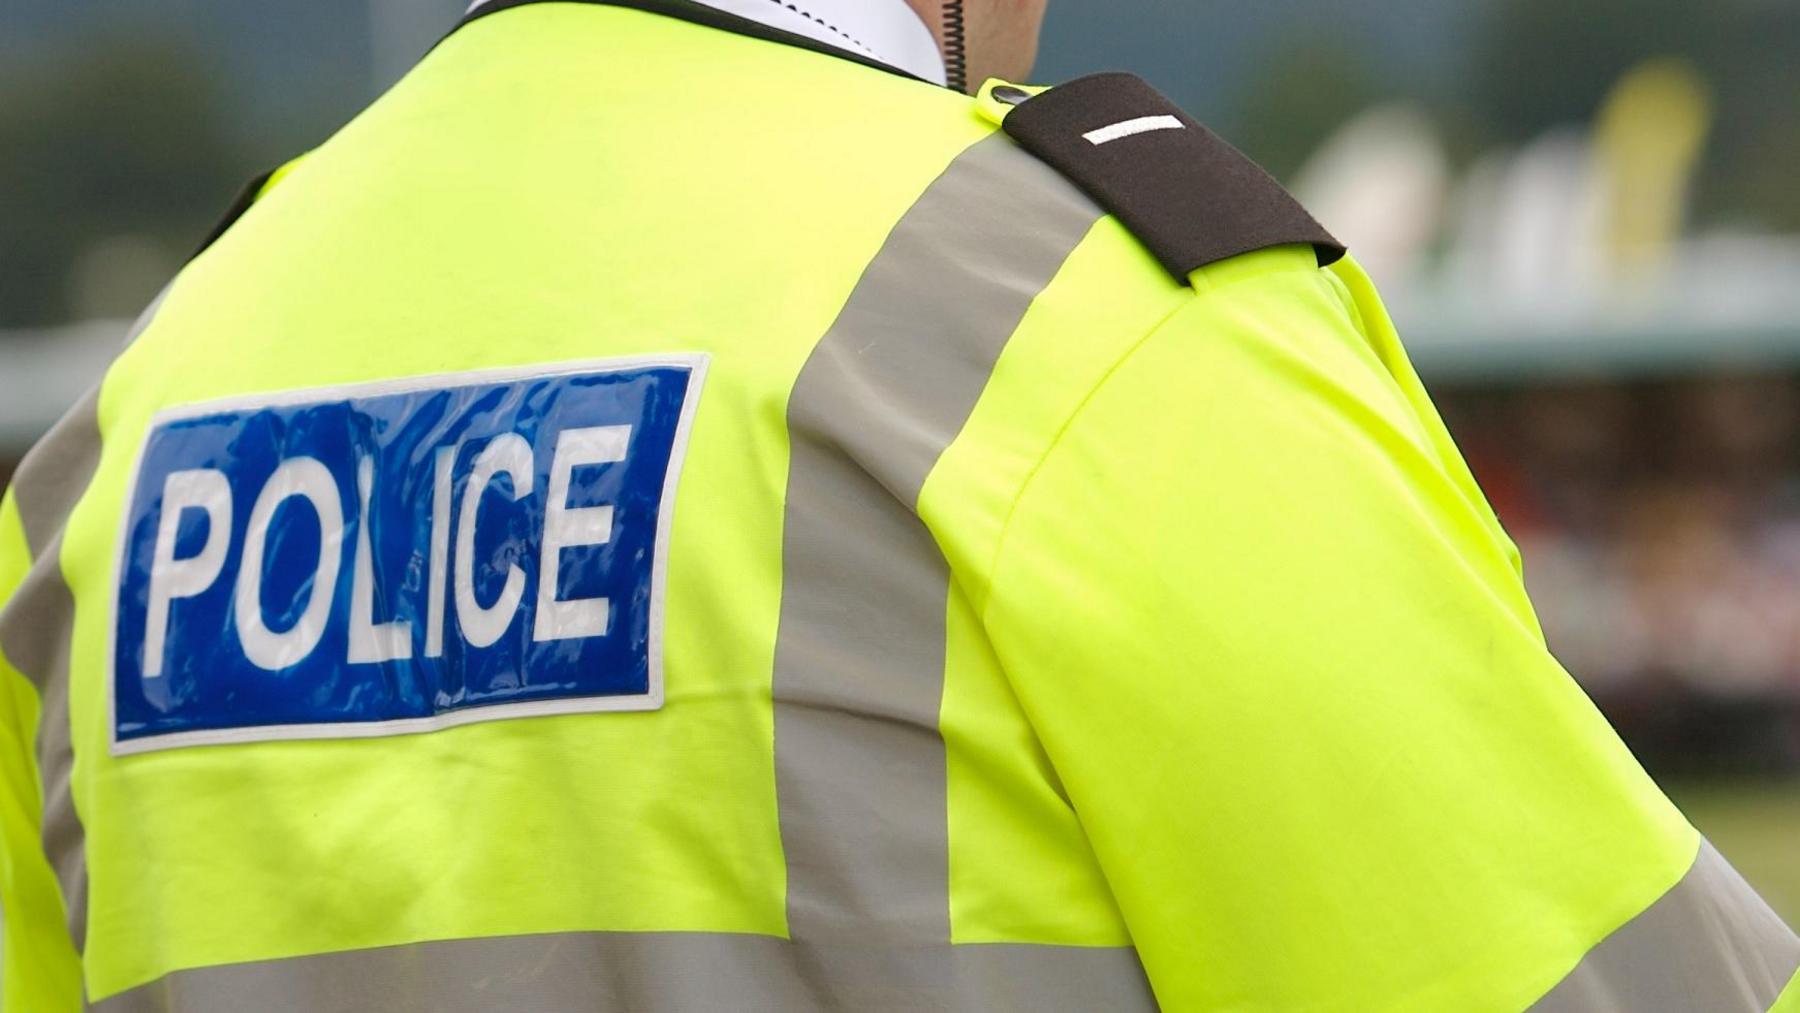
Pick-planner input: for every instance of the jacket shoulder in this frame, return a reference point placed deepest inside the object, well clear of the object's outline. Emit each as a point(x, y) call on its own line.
point(1191, 198)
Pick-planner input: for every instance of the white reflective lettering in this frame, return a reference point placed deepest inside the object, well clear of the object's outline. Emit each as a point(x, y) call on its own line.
point(170, 578)
point(481, 626)
point(304, 477)
point(369, 643)
point(440, 552)
point(567, 527)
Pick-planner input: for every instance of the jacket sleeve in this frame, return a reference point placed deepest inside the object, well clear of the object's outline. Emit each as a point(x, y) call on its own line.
point(1280, 655)
point(39, 969)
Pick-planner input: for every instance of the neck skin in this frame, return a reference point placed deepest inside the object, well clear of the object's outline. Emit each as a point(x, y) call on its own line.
point(1000, 36)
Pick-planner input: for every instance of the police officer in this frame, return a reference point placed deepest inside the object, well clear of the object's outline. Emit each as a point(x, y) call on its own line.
point(672, 509)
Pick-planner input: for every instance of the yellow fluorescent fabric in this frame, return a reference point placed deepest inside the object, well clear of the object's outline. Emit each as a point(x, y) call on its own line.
point(1790, 999)
point(1280, 716)
point(462, 235)
point(1016, 846)
point(15, 556)
point(1294, 690)
point(39, 969)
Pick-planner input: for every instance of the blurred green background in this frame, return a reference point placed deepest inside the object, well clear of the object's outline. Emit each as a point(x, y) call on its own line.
point(1583, 216)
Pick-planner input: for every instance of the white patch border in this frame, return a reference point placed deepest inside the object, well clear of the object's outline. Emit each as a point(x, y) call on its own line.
point(696, 363)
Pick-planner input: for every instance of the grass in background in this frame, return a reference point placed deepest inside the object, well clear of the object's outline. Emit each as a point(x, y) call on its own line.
point(1757, 827)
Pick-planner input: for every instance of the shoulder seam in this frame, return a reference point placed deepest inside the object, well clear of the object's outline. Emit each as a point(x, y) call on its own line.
point(1187, 301)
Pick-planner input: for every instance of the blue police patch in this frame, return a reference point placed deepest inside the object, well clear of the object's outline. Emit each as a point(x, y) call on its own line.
point(401, 556)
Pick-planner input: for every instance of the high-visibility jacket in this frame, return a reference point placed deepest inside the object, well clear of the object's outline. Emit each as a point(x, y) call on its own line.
point(653, 518)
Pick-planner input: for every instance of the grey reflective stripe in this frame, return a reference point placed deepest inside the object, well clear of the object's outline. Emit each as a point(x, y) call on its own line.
point(63, 838)
point(37, 625)
point(859, 657)
point(36, 622)
point(36, 633)
point(645, 972)
point(1710, 943)
point(56, 472)
point(37, 629)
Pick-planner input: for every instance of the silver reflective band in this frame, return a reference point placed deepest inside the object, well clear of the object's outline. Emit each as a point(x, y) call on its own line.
point(860, 768)
point(647, 972)
point(1132, 128)
point(37, 625)
point(37, 631)
point(1710, 944)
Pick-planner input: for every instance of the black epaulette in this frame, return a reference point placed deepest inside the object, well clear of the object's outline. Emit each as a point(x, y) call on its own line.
point(1190, 197)
point(245, 198)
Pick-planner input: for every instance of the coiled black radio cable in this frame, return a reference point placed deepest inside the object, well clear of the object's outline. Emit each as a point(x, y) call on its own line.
point(956, 46)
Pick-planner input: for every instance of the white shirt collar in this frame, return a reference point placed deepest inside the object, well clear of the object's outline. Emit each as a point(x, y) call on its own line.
point(884, 30)
point(887, 31)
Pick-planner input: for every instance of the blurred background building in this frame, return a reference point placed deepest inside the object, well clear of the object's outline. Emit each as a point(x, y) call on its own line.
point(1584, 217)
